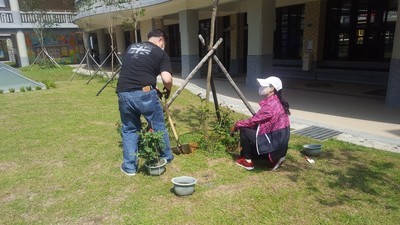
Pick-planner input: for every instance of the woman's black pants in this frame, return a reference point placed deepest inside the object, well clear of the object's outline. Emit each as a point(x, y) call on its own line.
point(249, 149)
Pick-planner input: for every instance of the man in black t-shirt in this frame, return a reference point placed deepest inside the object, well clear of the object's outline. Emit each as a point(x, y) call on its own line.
point(138, 96)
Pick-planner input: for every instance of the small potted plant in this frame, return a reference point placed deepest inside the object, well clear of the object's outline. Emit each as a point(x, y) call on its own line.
point(151, 144)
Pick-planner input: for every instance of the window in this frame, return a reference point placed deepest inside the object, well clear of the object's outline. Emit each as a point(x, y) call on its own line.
point(174, 39)
point(204, 30)
point(360, 30)
point(2, 4)
point(289, 32)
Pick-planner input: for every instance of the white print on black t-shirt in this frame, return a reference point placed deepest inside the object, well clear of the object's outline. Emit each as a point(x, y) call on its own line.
point(136, 50)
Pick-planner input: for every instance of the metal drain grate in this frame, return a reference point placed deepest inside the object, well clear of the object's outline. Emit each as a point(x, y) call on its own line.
point(318, 133)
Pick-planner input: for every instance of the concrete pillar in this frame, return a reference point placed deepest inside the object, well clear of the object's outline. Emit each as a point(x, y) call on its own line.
point(158, 23)
point(14, 6)
point(121, 44)
point(22, 50)
point(233, 68)
point(148, 25)
point(322, 29)
point(313, 35)
point(86, 41)
point(393, 90)
point(237, 48)
point(21, 44)
point(101, 43)
point(189, 28)
point(145, 27)
point(261, 27)
point(10, 48)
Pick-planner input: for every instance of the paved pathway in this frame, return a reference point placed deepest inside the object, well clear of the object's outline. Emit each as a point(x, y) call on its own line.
point(363, 119)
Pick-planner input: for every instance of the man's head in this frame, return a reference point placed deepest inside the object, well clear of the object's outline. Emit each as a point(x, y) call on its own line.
point(158, 37)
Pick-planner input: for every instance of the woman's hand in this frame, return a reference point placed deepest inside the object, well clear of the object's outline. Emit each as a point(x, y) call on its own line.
point(233, 130)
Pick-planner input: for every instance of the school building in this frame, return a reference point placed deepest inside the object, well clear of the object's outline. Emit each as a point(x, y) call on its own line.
point(351, 41)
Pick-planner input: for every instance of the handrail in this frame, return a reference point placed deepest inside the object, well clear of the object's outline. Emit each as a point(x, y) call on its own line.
point(6, 17)
point(54, 17)
point(34, 17)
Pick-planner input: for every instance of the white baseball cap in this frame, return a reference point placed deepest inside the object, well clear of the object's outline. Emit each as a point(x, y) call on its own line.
point(274, 81)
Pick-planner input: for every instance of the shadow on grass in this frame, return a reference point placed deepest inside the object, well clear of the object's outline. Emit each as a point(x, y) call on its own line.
point(190, 117)
point(362, 179)
point(355, 178)
point(344, 175)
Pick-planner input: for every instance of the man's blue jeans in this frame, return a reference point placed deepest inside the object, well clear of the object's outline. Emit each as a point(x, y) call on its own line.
point(131, 106)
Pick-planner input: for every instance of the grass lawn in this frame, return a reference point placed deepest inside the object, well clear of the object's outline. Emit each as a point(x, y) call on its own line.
point(60, 154)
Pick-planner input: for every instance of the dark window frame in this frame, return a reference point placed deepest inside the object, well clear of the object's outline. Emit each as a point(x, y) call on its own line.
point(288, 38)
point(174, 41)
point(360, 30)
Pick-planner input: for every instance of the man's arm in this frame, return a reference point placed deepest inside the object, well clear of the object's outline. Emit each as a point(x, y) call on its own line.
point(166, 78)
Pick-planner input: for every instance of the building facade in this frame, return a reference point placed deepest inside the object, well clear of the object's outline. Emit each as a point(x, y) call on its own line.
point(326, 40)
point(18, 40)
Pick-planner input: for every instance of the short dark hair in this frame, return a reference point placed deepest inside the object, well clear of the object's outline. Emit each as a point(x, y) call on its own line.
point(157, 33)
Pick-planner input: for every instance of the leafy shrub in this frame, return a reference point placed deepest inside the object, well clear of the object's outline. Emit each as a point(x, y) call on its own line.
point(49, 84)
point(150, 145)
point(12, 64)
point(38, 88)
point(222, 128)
point(11, 90)
point(219, 137)
point(29, 88)
point(22, 89)
point(45, 63)
point(1, 91)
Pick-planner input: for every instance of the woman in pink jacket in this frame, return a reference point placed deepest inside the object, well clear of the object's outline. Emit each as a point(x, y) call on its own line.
point(265, 134)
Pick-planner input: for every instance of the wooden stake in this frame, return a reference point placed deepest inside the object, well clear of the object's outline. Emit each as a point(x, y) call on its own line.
point(213, 16)
point(186, 81)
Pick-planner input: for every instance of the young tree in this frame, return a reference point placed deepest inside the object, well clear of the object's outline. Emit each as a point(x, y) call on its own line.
point(130, 19)
point(125, 12)
point(132, 15)
point(43, 23)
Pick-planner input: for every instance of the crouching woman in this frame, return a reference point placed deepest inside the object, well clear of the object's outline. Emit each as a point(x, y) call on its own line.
point(266, 134)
